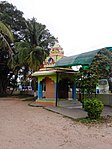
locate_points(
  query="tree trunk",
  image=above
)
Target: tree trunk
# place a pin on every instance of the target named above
(35, 87)
(3, 84)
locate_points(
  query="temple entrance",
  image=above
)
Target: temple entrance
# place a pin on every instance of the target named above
(48, 88)
(65, 87)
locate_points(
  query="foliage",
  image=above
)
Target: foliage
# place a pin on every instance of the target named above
(38, 35)
(6, 39)
(6, 58)
(32, 52)
(87, 120)
(94, 107)
(32, 42)
(14, 18)
(31, 39)
(102, 64)
(86, 80)
(40, 41)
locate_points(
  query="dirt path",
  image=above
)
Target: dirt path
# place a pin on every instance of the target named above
(25, 127)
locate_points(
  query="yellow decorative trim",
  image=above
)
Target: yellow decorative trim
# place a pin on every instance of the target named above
(40, 78)
(52, 77)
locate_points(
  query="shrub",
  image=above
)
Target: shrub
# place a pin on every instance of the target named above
(94, 107)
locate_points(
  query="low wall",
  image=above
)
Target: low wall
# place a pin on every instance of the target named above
(105, 98)
(27, 92)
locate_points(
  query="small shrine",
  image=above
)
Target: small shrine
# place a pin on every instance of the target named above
(54, 83)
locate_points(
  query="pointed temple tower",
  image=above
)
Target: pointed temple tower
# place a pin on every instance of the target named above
(56, 53)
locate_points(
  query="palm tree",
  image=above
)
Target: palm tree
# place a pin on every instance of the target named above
(38, 35)
(32, 52)
(6, 56)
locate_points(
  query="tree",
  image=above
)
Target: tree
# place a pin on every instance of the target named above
(31, 39)
(31, 34)
(32, 52)
(14, 18)
(6, 57)
(38, 35)
(102, 64)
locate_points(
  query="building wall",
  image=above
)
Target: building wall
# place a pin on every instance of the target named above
(50, 88)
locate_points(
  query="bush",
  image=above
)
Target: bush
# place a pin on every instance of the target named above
(94, 107)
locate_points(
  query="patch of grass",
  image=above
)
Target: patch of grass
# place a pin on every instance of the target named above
(101, 120)
(93, 122)
(87, 120)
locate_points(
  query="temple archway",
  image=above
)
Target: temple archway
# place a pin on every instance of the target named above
(65, 89)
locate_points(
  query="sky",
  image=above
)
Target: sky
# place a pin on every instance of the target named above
(79, 25)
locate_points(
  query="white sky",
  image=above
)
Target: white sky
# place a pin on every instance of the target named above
(80, 25)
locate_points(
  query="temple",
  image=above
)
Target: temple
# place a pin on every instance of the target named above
(54, 83)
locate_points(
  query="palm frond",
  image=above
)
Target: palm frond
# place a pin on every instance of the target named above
(6, 31)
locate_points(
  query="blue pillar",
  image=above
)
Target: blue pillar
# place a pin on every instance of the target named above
(74, 92)
(39, 90)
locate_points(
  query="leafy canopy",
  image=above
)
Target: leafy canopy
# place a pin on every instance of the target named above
(10, 15)
(6, 57)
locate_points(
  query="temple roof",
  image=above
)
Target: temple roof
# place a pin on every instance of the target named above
(81, 59)
(52, 71)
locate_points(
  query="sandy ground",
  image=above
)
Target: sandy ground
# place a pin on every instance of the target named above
(25, 127)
